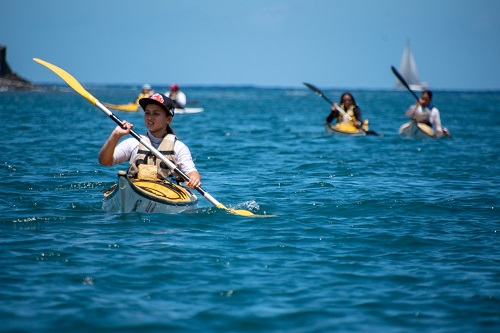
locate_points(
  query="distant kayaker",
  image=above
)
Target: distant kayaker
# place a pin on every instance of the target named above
(158, 114)
(177, 96)
(424, 112)
(349, 106)
(146, 91)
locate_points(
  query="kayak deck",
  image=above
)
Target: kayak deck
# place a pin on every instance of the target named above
(413, 129)
(346, 129)
(147, 196)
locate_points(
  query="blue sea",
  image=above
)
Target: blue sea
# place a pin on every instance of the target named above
(371, 234)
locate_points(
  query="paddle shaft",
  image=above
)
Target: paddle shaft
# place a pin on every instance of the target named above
(318, 92)
(343, 112)
(403, 81)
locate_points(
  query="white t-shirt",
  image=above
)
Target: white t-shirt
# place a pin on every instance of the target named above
(127, 150)
(424, 114)
(180, 98)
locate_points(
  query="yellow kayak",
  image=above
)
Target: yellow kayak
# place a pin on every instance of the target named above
(131, 107)
(347, 128)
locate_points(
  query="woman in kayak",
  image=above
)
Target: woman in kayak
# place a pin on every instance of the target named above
(146, 91)
(158, 114)
(177, 96)
(424, 112)
(348, 104)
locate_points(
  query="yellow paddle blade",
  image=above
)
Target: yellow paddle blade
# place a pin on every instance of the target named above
(70, 80)
(132, 107)
(241, 212)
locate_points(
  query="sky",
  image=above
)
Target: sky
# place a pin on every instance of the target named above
(268, 43)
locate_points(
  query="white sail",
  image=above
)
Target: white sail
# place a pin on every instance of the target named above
(408, 69)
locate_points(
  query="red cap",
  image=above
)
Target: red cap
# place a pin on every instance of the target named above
(174, 87)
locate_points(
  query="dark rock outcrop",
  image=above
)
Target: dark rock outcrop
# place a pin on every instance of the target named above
(10, 80)
(4, 67)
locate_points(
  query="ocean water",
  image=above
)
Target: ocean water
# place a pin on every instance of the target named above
(372, 234)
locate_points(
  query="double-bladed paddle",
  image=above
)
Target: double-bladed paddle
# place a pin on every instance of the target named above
(320, 94)
(73, 83)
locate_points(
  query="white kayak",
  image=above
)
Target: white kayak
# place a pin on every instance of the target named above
(147, 196)
(413, 129)
(188, 110)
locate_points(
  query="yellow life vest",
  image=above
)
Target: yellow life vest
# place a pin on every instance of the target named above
(145, 156)
(141, 95)
(350, 112)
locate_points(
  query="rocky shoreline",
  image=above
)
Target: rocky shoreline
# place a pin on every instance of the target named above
(11, 81)
(14, 82)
